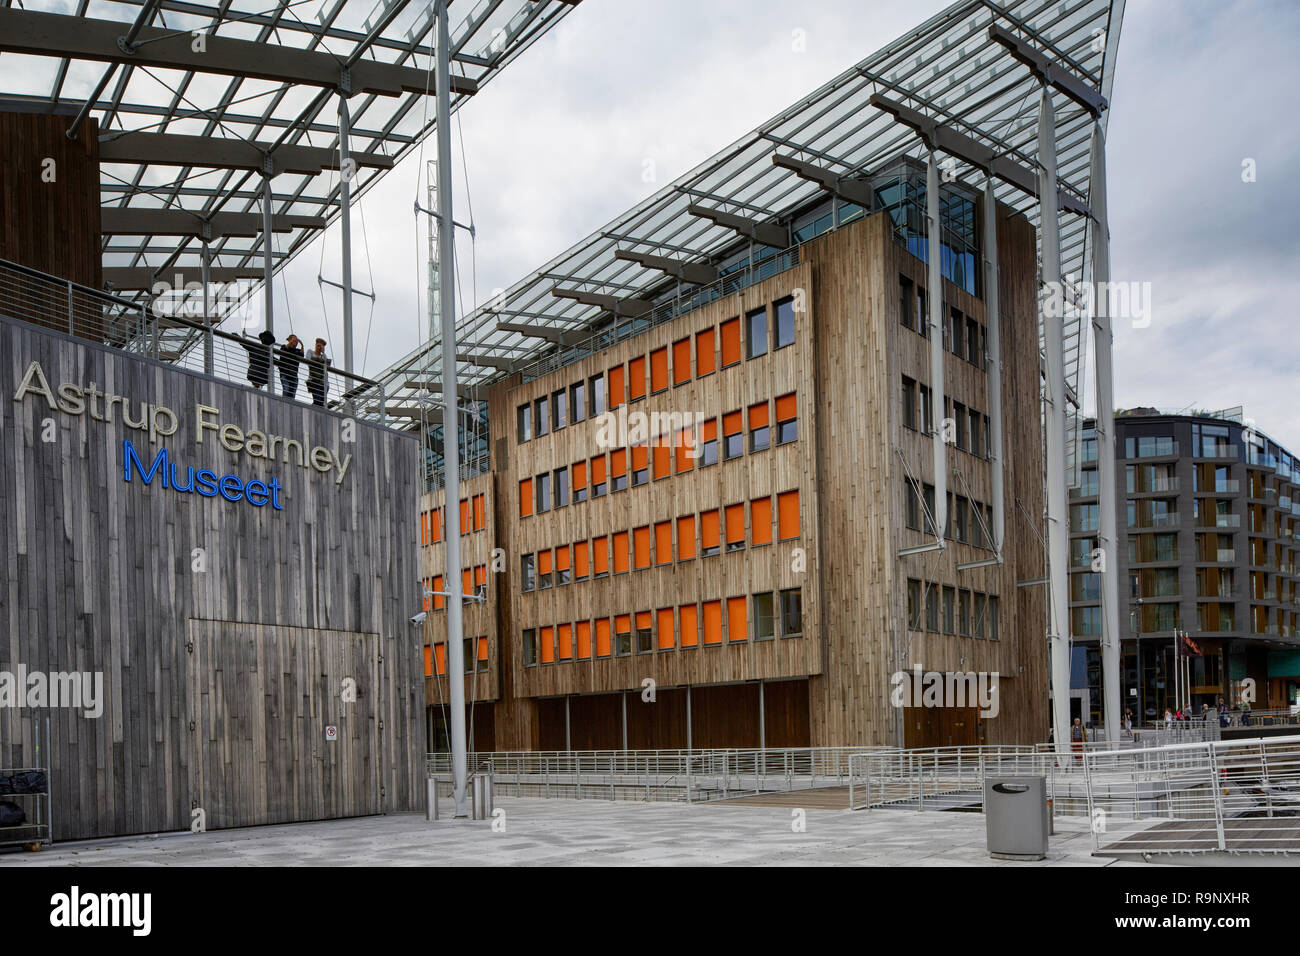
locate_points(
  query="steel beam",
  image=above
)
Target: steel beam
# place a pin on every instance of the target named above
(768, 233)
(435, 385)
(700, 273)
(854, 190)
(626, 307)
(345, 223)
(934, 298)
(140, 278)
(209, 152)
(1061, 77)
(563, 339)
(83, 38)
(118, 221)
(994, 327)
(487, 361)
(268, 267)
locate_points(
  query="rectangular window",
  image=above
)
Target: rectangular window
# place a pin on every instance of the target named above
(439, 602)
(787, 515)
(543, 493)
(729, 334)
(644, 635)
(709, 542)
(712, 622)
(689, 617)
(756, 332)
(909, 403)
(959, 425)
(563, 574)
(482, 653)
(784, 322)
(546, 638)
(465, 526)
(664, 542)
(787, 424)
(972, 341)
(991, 621)
(583, 640)
(602, 637)
(913, 506)
(480, 512)
(636, 378)
(541, 417)
(913, 604)
(525, 497)
(737, 620)
(955, 337)
(758, 427)
(927, 409)
(760, 521)
(660, 458)
(579, 473)
(640, 465)
(581, 561)
(659, 369)
(732, 447)
(705, 357)
(735, 518)
(682, 361)
(685, 453)
(922, 314)
(618, 469)
(963, 613)
(578, 401)
(641, 547)
(664, 627)
(543, 569)
(600, 556)
(949, 614)
(623, 635)
(596, 394)
(906, 304)
(561, 487)
(792, 613)
(559, 417)
(526, 570)
(530, 647)
(524, 425)
(709, 443)
(617, 387)
(435, 525)
(685, 537)
(619, 539)
(932, 607)
(980, 604)
(597, 476)
(564, 642)
(764, 617)
(975, 432)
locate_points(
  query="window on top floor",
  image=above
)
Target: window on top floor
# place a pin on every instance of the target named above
(756, 332)
(784, 331)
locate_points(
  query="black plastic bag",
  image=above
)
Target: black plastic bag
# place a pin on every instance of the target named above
(33, 781)
(11, 815)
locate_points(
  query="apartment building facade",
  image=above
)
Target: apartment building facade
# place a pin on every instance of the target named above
(1210, 515)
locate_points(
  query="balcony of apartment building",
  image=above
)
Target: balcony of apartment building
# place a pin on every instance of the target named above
(1154, 514)
(1212, 549)
(1145, 446)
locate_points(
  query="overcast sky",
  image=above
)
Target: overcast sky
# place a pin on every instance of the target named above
(557, 145)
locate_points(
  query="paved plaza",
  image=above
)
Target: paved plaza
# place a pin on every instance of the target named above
(541, 832)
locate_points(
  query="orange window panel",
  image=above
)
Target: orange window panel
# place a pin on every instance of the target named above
(466, 582)
(729, 332)
(760, 521)
(660, 458)
(735, 524)
(686, 537)
(709, 432)
(737, 626)
(544, 561)
(786, 408)
(545, 637)
(618, 463)
(600, 554)
(709, 530)
(685, 449)
(480, 512)
(424, 529)
(664, 625)
(439, 602)
(620, 551)
(623, 624)
(641, 547)
(712, 622)
(643, 620)
(562, 558)
(705, 360)
(581, 567)
(440, 657)
(578, 475)
(598, 470)
(428, 661)
(464, 516)
(690, 624)
(435, 519)
(480, 575)
(617, 387)
(583, 629)
(602, 637)
(787, 514)
(640, 457)
(659, 369)
(564, 636)
(758, 415)
(482, 648)
(525, 497)
(636, 378)
(731, 423)
(682, 361)
(664, 542)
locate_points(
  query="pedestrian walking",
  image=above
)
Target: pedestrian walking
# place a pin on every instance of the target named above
(1078, 737)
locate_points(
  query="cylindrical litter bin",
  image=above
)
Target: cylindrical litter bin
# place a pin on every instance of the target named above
(1015, 817)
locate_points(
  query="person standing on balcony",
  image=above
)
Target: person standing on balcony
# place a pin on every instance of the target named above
(317, 381)
(291, 355)
(259, 358)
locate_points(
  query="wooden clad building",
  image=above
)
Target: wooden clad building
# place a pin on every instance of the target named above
(698, 528)
(225, 577)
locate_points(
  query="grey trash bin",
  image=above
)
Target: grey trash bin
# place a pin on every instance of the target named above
(1015, 815)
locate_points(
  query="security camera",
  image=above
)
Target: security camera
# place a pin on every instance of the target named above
(419, 618)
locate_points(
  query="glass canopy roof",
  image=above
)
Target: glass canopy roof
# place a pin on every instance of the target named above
(948, 69)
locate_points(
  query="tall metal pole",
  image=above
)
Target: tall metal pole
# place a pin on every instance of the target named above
(345, 217)
(1102, 339)
(450, 418)
(934, 292)
(208, 358)
(1058, 542)
(993, 324)
(266, 247)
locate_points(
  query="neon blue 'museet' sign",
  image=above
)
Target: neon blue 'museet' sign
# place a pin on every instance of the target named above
(202, 482)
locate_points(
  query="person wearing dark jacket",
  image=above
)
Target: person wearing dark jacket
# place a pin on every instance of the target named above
(259, 358)
(317, 382)
(291, 355)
